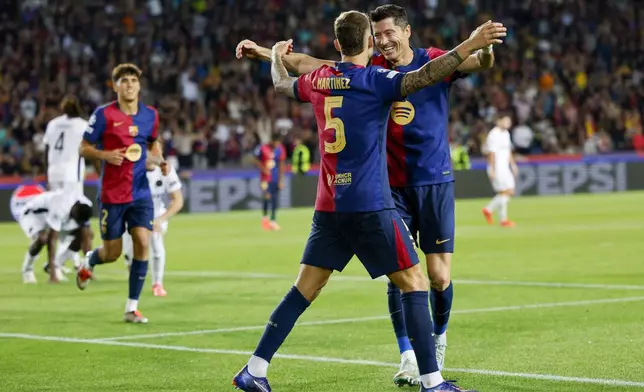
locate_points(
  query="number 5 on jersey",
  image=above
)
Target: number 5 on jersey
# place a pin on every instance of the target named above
(334, 124)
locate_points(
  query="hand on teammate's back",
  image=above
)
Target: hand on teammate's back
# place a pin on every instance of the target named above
(115, 157)
(489, 33)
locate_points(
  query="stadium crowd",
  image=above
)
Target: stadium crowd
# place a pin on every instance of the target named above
(570, 71)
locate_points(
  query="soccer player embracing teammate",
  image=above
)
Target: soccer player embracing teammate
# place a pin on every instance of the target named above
(418, 160)
(355, 213)
(119, 135)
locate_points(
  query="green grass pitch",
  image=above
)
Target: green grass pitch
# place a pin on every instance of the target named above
(555, 304)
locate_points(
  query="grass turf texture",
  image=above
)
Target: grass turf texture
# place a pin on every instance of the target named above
(225, 273)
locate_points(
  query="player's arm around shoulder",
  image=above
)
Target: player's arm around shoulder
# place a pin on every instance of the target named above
(439, 68)
(298, 63)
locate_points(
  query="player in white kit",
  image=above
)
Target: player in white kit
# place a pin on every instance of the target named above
(46, 216)
(162, 188)
(63, 136)
(501, 169)
(65, 166)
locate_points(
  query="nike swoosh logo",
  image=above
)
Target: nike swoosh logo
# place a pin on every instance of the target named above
(116, 124)
(260, 386)
(442, 242)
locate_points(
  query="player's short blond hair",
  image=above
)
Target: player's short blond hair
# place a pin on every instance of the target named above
(125, 69)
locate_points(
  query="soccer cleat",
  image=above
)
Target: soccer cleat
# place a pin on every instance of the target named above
(508, 223)
(441, 345)
(158, 290)
(408, 375)
(488, 216)
(274, 226)
(266, 224)
(83, 276)
(135, 317)
(248, 383)
(29, 277)
(446, 386)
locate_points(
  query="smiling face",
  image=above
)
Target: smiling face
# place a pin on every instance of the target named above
(391, 39)
(128, 87)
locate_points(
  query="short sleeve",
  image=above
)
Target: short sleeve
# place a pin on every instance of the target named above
(386, 83)
(173, 181)
(303, 87)
(435, 53)
(492, 143)
(96, 126)
(155, 127)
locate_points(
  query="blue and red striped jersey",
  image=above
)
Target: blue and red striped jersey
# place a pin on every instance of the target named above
(351, 105)
(417, 132)
(110, 129)
(270, 158)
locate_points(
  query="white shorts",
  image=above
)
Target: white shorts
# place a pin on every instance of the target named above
(503, 182)
(72, 187)
(128, 244)
(31, 224)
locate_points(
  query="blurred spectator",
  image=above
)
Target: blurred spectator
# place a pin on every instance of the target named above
(570, 70)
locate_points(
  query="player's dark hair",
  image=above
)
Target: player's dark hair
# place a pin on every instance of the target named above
(276, 137)
(82, 212)
(397, 13)
(350, 28)
(125, 69)
(71, 106)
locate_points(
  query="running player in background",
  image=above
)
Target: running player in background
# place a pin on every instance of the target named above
(65, 167)
(501, 169)
(43, 218)
(120, 135)
(270, 161)
(418, 160)
(355, 213)
(162, 188)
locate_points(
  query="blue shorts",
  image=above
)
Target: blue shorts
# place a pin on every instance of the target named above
(115, 217)
(428, 211)
(380, 239)
(270, 189)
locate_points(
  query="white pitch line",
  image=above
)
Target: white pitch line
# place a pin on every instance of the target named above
(376, 318)
(548, 377)
(337, 277)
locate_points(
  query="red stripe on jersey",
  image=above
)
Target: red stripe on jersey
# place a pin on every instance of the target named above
(325, 200)
(396, 154)
(404, 259)
(116, 184)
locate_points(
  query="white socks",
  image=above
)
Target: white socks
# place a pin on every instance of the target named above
(408, 355)
(131, 305)
(65, 255)
(28, 263)
(257, 367)
(432, 380)
(503, 213)
(494, 203)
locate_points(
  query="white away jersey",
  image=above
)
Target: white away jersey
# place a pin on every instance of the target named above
(53, 209)
(63, 136)
(161, 186)
(498, 142)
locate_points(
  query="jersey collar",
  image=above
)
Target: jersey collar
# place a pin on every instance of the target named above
(345, 66)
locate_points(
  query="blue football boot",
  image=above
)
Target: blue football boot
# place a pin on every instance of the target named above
(247, 383)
